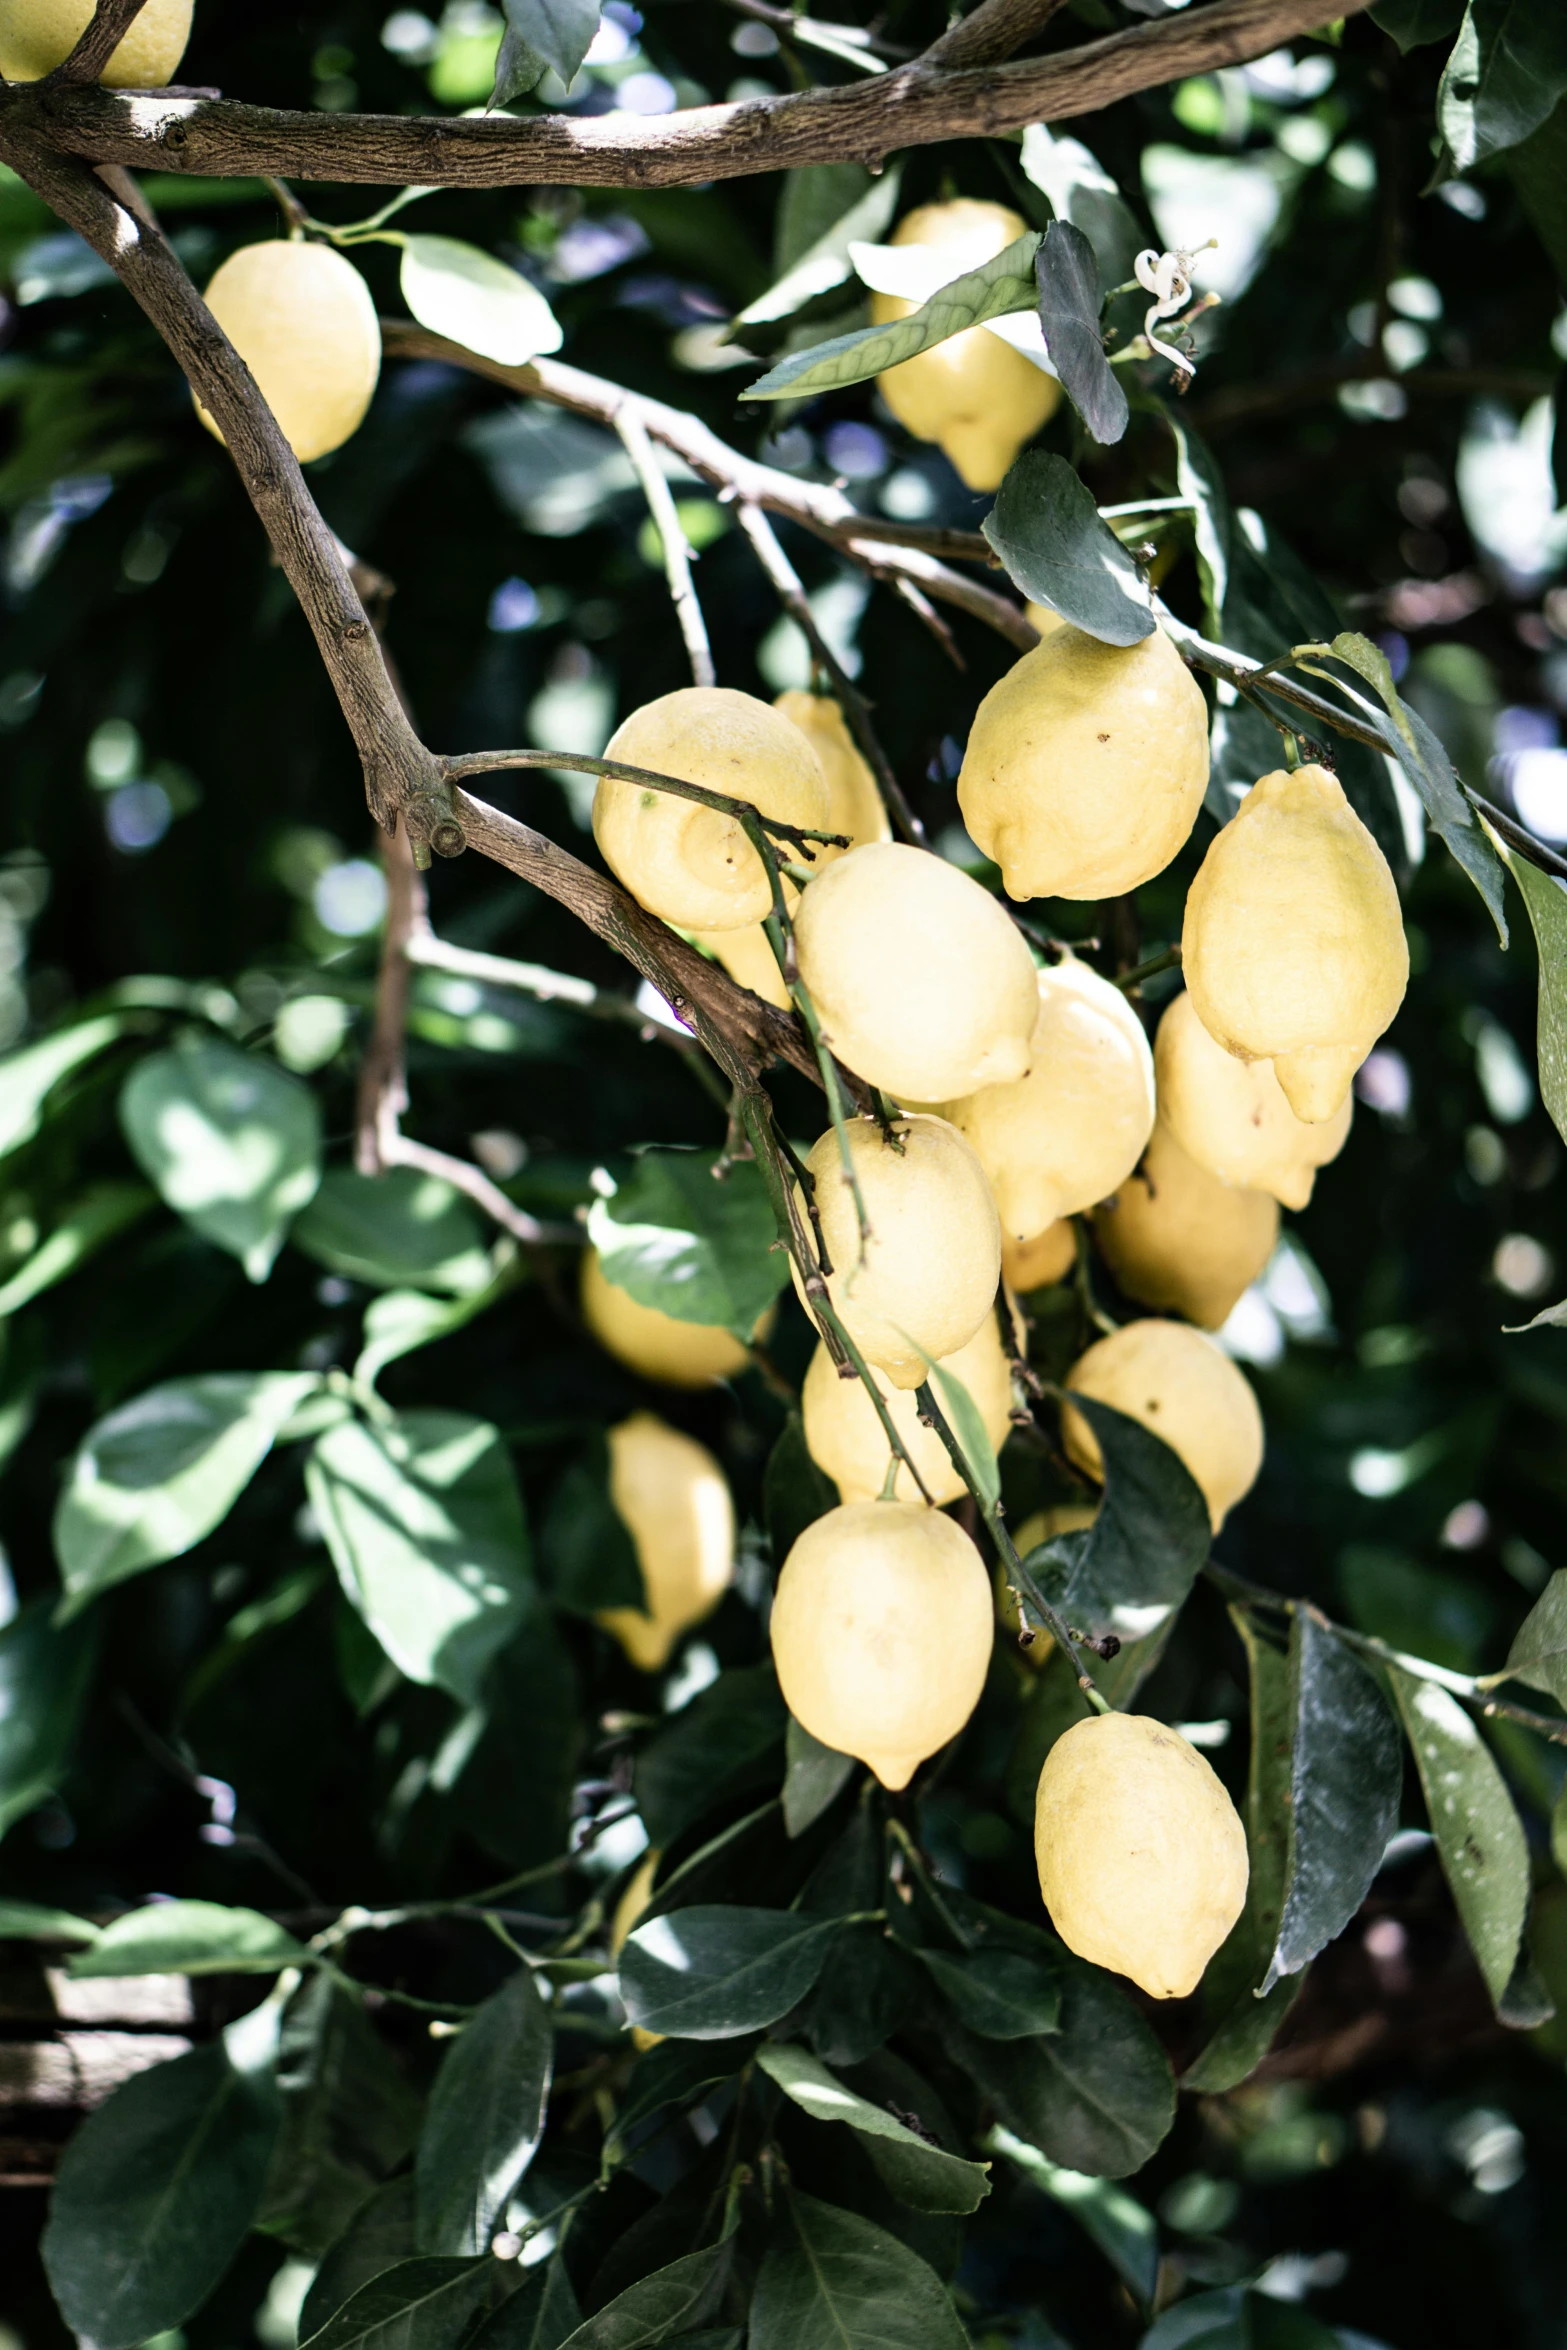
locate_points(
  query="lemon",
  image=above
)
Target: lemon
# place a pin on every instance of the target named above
(1293, 946)
(691, 865)
(1142, 1856)
(1067, 1517)
(922, 983)
(1231, 1116)
(928, 1273)
(628, 1912)
(845, 1437)
(747, 955)
(681, 1354)
(302, 319)
(854, 804)
(973, 394)
(1086, 766)
(1179, 1384)
(881, 1633)
(38, 35)
(1175, 1236)
(1066, 1134)
(1042, 618)
(670, 1493)
(1034, 1264)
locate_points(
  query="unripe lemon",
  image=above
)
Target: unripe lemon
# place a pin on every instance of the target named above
(1142, 1856)
(1231, 1116)
(922, 984)
(1086, 766)
(927, 1276)
(845, 1437)
(1034, 1264)
(1175, 1236)
(38, 35)
(1293, 946)
(302, 319)
(1066, 1134)
(854, 804)
(1067, 1517)
(628, 1912)
(1180, 1385)
(670, 1493)
(692, 865)
(681, 1354)
(973, 394)
(881, 1633)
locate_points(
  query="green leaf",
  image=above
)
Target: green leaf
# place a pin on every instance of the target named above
(540, 2315)
(1070, 299)
(423, 1518)
(1413, 22)
(814, 1777)
(29, 1077)
(795, 1492)
(1538, 170)
(379, 2236)
(88, 1225)
(993, 290)
(394, 1231)
(33, 1921)
(672, 2301)
(1346, 1777)
(1125, 2230)
(696, 1249)
(1237, 2319)
(1546, 900)
(588, 1557)
(559, 31)
(1476, 1827)
(191, 1938)
(154, 1478)
(962, 1415)
(467, 295)
(485, 2120)
(676, 2072)
(1199, 480)
(525, 1732)
(709, 1973)
(1133, 1567)
(401, 1321)
(348, 2119)
(1507, 69)
(1078, 188)
(830, 2277)
(1095, 2095)
(917, 2172)
(1538, 1654)
(155, 2195)
(825, 208)
(1001, 1994)
(723, 1744)
(45, 1669)
(418, 2305)
(231, 1141)
(1053, 544)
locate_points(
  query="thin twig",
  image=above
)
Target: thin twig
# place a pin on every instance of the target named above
(400, 1151)
(383, 1084)
(672, 539)
(465, 763)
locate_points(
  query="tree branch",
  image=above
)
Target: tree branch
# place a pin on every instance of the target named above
(383, 1084)
(672, 541)
(913, 106)
(994, 30)
(106, 29)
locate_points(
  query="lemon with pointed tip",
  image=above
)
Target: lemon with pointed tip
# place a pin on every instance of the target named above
(1086, 766)
(670, 1494)
(655, 1344)
(693, 866)
(38, 35)
(881, 1632)
(302, 319)
(976, 397)
(1293, 948)
(924, 1280)
(1066, 1134)
(921, 982)
(1181, 1386)
(1036, 1263)
(1231, 1115)
(844, 1435)
(1175, 1236)
(1141, 1854)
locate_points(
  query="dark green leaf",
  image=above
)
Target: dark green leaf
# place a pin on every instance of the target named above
(348, 2119)
(485, 2120)
(702, 1251)
(1546, 900)
(1124, 2229)
(1539, 1651)
(1237, 2319)
(1413, 22)
(1538, 170)
(814, 1777)
(518, 69)
(154, 1478)
(1048, 533)
(400, 1321)
(1095, 2095)
(668, 2303)
(587, 1553)
(1198, 479)
(423, 1518)
(1001, 1994)
(1133, 1567)
(825, 208)
(540, 2315)
(1446, 1618)
(721, 1745)
(992, 291)
(29, 1077)
(675, 2072)
(191, 1938)
(833, 2278)
(509, 1782)
(559, 31)
(918, 2172)
(33, 1921)
(88, 1225)
(399, 1230)
(1346, 1777)
(232, 1142)
(1476, 1827)
(1507, 70)
(1070, 298)
(376, 2239)
(155, 2195)
(45, 1670)
(707, 1974)
(419, 2305)
(870, 1991)
(795, 1491)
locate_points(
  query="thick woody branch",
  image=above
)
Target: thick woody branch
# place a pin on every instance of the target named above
(914, 106)
(111, 21)
(994, 30)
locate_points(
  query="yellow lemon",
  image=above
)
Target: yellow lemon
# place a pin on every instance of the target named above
(1179, 1384)
(927, 1275)
(845, 1437)
(1175, 1236)
(973, 394)
(302, 319)
(628, 1911)
(922, 983)
(1066, 1134)
(1086, 766)
(881, 1632)
(1231, 1115)
(1142, 1856)
(681, 1354)
(1034, 1264)
(854, 804)
(671, 1495)
(38, 35)
(1042, 618)
(691, 865)
(1293, 946)
(1067, 1517)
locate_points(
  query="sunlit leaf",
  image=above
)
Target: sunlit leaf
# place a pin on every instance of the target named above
(458, 291)
(996, 287)
(1477, 1829)
(191, 1938)
(707, 1974)
(485, 2120)
(231, 1141)
(1048, 533)
(918, 2173)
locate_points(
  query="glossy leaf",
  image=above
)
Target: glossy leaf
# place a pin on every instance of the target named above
(558, 31)
(394, 1231)
(467, 295)
(191, 1938)
(1237, 2319)
(1001, 1994)
(709, 1973)
(34, 1921)
(154, 1478)
(1132, 1568)
(670, 2302)
(348, 2119)
(1477, 1829)
(814, 1777)
(1546, 900)
(919, 2173)
(418, 2305)
(379, 2235)
(1507, 69)
(835, 205)
(1125, 2230)
(45, 1669)
(699, 1250)
(485, 2119)
(992, 291)
(1069, 306)
(588, 1556)
(1048, 533)
(720, 1745)
(832, 2277)
(1095, 2095)
(86, 1226)
(231, 1141)
(540, 2315)
(1539, 1651)
(1413, 22)
(1079, 189)
(401, 1321)
(28, 1077)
